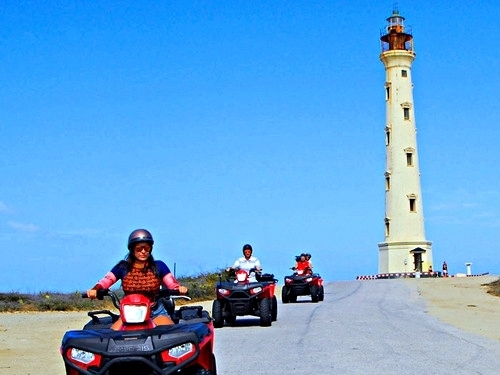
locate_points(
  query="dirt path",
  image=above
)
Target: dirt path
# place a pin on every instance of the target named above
(29, 342)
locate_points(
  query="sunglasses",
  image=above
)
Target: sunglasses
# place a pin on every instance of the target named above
(142, 248)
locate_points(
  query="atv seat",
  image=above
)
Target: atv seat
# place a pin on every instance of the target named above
(265, 277)
(101, 319)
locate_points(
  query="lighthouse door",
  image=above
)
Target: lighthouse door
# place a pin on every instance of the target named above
(417, 258)
(417, 261)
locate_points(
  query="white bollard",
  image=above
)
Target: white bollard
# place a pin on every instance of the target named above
(468, 264)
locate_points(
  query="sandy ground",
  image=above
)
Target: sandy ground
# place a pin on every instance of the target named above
(29, 342)
(462, 302)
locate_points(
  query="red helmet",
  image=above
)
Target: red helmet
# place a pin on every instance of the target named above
(140, 235)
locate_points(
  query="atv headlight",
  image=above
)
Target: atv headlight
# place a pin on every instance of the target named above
(241, 276)
(82, 356)
(223, 291)
(134, 313)
(309, 279)
(256, 290)
(178, 354)
(181, 350)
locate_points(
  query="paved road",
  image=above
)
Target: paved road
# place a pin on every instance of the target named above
(362, 327)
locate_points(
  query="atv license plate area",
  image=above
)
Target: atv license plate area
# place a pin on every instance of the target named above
(131, 344)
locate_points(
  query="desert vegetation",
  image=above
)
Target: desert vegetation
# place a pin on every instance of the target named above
(493, 288)
(201, 288)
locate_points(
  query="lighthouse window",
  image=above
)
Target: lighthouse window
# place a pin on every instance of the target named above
(406, 113)
(387, 137)
(387, 183)
(412, 205)
(387, 228)
(409, 159)
(404, 73)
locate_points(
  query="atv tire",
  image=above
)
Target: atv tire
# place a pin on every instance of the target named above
(265, 312)
(230, 319)
(204, 372)
(284, 294)
(201, 371)
(274, 309)
(217, 314)
(321, 294)
(314, 294)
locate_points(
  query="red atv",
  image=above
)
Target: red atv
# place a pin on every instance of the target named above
(302, 283)
(239, 296)
(140, 347)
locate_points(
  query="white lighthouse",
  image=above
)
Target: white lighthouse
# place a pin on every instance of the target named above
(405, 248)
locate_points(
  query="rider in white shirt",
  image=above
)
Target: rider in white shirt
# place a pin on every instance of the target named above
(247, 262)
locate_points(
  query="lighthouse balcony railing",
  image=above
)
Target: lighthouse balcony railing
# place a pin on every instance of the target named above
(408, 46)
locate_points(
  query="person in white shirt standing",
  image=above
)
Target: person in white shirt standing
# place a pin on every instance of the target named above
(247, 262)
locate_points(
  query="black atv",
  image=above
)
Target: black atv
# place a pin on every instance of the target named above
(237, 296)
(140, 347)
(302, 283)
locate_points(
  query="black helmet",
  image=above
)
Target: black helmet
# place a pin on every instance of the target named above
(247, 247)
(140, 235)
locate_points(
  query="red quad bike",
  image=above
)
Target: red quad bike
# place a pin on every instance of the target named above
(140, 347)
(302, 283)
(239, 296)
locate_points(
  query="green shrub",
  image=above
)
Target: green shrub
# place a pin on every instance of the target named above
(200, 288)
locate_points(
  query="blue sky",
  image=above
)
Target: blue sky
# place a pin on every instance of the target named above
(215, 124)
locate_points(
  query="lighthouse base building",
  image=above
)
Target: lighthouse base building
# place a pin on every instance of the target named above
(404, 257)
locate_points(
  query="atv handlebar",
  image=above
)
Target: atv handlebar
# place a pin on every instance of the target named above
(166, 293)
(181, 296)
(234, 269)
(100, 294)
(295, 268)
(169, 292)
